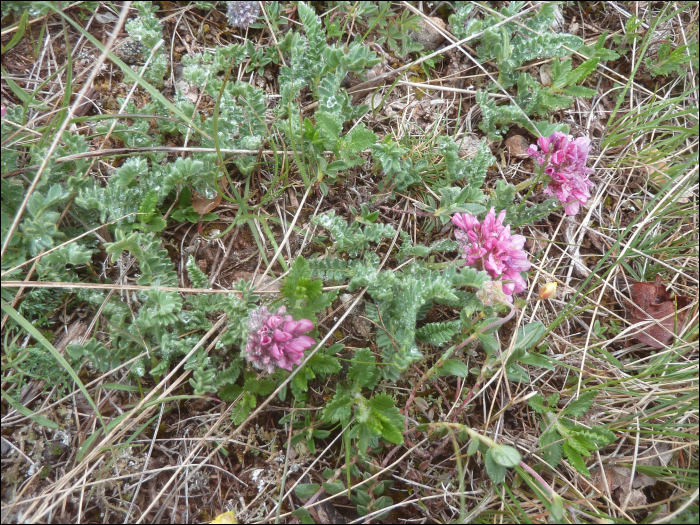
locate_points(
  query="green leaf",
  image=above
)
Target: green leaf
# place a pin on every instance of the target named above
(31, 330)
(517, 373)
(299, 275)
(382, 503)
(323, 364)
(557, 508)
(489, 342)
(438, 334)
(363, 369)
(551, 451)
(601, 436)
(334, 488)
(486, 322)
(528, 335)
(262, 387)
(580, 406)
(580, 91)
(581, 445)
(575, 459)
(454, 367)
(330, 127)
(242, 409)
(361, 138)
(473, 446)
(306, 490)
(19, 34)
(303, 514)
(582, 71)
(391, 420)
(339, 409)
(505, 455)
(28, 413)
(536, 402)
(496, 471)
(536, 360)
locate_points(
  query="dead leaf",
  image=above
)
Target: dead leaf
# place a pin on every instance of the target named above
(203, 205)
(517, 146)
(652, 301)
(546, 75)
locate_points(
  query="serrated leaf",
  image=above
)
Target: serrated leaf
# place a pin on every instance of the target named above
(363, 369)
(262, 387)
(496, 471)
(339, 409)
(230, 393)
(330, 127)
(361, 138)
(551, 451)
(306, 490)
(454, 367)
(581, 72)
(382, 407)
(601, 436)
(536, 402)
(505, 455)
(580, 91)
(581, 445)
(580, 406)
(575, 459)
(242, 409)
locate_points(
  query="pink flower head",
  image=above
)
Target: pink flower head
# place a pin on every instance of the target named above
(277, 340)
(563, 159)
(3, 110)
(490, 246)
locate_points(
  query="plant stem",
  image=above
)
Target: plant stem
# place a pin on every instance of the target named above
(451, 351)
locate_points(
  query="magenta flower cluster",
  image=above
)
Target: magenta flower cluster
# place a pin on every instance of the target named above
(490, 246)
(563, 159)
(277, 340)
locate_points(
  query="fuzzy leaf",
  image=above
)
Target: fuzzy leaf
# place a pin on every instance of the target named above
(306, 490)
(438, 334)
(334, 488)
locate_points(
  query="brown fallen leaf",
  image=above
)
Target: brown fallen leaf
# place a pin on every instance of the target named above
(652, 301)
(203, 205)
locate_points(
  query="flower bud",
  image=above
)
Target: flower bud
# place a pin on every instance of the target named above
(548, 290)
